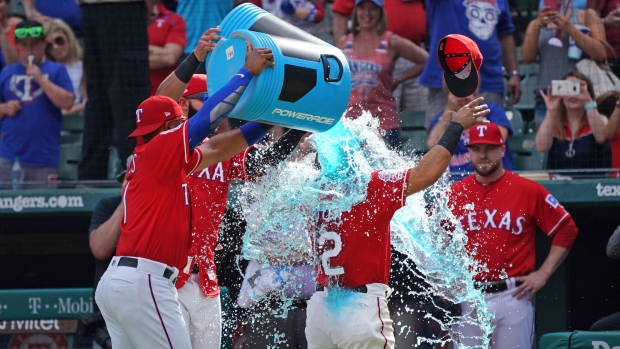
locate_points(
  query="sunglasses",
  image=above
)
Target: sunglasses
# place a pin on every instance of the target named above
(59, 41)
(203, 97)
(33, 32)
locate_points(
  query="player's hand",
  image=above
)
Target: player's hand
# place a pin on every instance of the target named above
(584, 94)
(207, 43)
(257, 59)
(12, 107)
(471, 113)
(531, 284)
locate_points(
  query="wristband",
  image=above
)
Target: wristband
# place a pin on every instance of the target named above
(252, 132)
(451, 137)
(590, 105)
(187, 68)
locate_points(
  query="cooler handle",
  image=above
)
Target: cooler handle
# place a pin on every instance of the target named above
(327, 68)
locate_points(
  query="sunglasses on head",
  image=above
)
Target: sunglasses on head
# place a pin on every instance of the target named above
(59, 41)
(32, 32)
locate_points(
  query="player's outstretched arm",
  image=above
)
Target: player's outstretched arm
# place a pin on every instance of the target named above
(222, 102)
(434, 163)
(175, 83)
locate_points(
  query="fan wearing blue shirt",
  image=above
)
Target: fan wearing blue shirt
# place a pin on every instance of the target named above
(32, 93)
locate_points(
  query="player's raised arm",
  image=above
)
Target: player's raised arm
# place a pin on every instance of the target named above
(434, 163)
(175, 83)
(222, 102)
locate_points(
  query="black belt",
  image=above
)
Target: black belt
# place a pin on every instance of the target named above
(133, 263)
(361, 289)
(494, 288)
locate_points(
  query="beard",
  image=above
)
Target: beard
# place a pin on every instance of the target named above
(191, 111)
(487, 169)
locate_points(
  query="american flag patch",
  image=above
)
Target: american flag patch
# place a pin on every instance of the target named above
(552, 201)
(391, 175)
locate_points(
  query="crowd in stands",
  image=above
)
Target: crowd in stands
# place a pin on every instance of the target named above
(112, 67)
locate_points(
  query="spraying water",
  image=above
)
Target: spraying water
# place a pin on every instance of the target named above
(287, 200)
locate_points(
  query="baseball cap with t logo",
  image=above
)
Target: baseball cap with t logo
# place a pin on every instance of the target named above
(485, 134)
(154, 112)
(460, 60)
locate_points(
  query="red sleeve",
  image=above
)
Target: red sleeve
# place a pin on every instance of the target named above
(388, 188)
(258, 3)
(178, 32)
(566, 234)
(344, 7)
(548, 212)
(237, 166)
(320, 11)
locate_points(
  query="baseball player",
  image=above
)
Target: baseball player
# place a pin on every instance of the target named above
(354, 249)
(500, 212)
(197, 284)
(137, 295)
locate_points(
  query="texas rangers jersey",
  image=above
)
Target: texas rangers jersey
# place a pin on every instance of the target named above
(501, 219)
(209, 193)
(156, 221)
(355, 249)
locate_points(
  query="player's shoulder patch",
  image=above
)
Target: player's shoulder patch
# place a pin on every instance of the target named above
(551, 200)
(391, 175)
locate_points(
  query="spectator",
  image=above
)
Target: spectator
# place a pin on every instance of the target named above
(500, 213)
(461, 162)
(489, 24)
(304, 14)
(62, 47)
(554, 60)
(167, 39)
(612, 134)
(45, 10)
(372, 51)
(8, 54)
(200, 15)
(33, 92)
(116, 66)
(155, 228)
(611, 322)
(407, 19)
(609, 10)
(573, 131)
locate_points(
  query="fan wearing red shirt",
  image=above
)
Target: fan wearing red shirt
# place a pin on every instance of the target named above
(167, 41)
(137, 295)
(354, 250)
(501, 212)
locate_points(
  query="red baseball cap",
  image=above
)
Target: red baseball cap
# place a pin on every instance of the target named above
(485, 134)
(154, 112)
(457, 54)
(197, 84)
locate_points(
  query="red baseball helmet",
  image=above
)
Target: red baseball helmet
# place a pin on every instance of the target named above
(154, 112)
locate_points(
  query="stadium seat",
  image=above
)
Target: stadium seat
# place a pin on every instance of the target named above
(413, 136)
(72, 128)
(69, 158)
(516, 120)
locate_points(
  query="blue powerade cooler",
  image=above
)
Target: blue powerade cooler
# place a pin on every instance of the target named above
(309, 87)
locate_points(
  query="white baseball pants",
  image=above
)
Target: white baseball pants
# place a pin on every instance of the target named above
(202, 315)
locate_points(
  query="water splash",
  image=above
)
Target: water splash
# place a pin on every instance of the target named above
(287, 200)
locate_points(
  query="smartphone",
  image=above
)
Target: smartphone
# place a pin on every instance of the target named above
(553, 4)
(565, 88)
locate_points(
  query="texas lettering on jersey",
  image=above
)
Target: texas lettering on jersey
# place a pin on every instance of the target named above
(494, 219)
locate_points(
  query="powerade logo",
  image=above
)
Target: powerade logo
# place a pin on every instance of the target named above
(303, 116)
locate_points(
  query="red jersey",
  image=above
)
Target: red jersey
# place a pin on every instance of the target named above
(405, 18)
(209, 194)
(156, 221)
(168, 28)
(355, 249)
(501, 219)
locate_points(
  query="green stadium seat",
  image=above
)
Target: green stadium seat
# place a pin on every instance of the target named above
(516, 120)
(412, 120)
(529, 81)
(69, 158)
(414, 142)
(73, 123)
